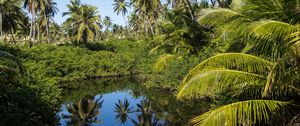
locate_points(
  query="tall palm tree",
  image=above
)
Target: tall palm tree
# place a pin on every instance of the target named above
(120, 6)
(84, 20)
(265, 79)
(148, 10)
(34, 6)
(49, 12)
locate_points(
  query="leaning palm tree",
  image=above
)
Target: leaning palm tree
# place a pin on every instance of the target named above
(84, 20)
(120, 6)
(265, 80)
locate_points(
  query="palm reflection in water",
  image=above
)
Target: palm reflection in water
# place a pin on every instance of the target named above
(84, 112)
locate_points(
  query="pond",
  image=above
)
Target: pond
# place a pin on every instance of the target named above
(124, 102)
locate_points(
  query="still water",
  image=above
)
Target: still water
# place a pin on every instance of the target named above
(123, 102)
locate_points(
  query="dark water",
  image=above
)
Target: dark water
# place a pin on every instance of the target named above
(123, 102)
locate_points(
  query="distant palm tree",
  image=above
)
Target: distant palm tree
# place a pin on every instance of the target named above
(148, 10)
(49, 12)
(107, 22)
(84, 21)
(120, 6)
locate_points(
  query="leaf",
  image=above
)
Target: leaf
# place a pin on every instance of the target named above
(4, 55)
(242, 113)
(162, 62)
(211, 82)
(236, 61)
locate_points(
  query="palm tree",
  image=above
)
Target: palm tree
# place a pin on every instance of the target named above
(49, 12)
(10, 16)
(107, 22)
(23, 27)
(123, 109)
(121, 6)
(84, 20)
(265, 79)
(34, 6)
(85, 111)
(148, 10)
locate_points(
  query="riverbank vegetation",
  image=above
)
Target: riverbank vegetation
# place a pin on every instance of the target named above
(240, 55)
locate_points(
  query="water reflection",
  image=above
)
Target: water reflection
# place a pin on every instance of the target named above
(146, 116)
(84, 112)
(128, 103)
(123, 109)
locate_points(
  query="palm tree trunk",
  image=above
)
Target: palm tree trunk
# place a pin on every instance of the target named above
(12, 36)
(38, 32)
(221, 3)
(1, 31)
(190, 9)
(47, 30)
(47, 27)
(126, 25)
(34, 31)
(151, 27)
(213, 2)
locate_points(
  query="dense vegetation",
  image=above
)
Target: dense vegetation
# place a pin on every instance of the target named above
(241, 55)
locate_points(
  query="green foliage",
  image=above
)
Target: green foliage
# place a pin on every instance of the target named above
(20, 100)
(244, 112)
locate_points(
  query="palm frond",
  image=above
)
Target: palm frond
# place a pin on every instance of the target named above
(211, 82)
(243, 113)
(162, 62)
(5, 55)
(218, 17)
(237, 61)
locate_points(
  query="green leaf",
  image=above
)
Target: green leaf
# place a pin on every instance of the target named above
(211, 82)
(242, 113)
(236, 61)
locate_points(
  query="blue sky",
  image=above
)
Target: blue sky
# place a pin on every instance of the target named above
(105, 8)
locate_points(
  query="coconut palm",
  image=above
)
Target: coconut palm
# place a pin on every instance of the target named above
(107, 22)
(120, 6)
(49, 12)
(265, 79)
(148, 10)
(34, 6)
(84, 21)
(10, 16)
